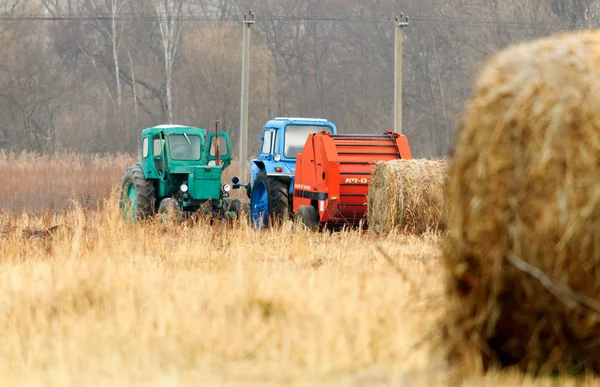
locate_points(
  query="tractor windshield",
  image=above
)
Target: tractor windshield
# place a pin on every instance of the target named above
(184, 146)
(295, 137)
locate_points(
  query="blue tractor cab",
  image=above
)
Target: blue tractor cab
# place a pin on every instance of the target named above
(272, 173)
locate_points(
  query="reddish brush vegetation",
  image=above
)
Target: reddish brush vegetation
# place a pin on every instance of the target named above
(36, 183)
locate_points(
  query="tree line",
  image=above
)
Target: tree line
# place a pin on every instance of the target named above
(88, 75)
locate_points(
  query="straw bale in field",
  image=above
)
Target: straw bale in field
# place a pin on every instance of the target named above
(523, 211)
(407, 194)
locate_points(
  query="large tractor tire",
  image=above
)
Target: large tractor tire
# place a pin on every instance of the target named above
(138, 196)
(308, 217)
(269, 205)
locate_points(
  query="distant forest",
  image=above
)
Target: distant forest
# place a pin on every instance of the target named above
(89, 75)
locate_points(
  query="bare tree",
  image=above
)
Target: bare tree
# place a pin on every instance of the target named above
(113, 8)
(170, 22)
(91, 78)
(216, 9)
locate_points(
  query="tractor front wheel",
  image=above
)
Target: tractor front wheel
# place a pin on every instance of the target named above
(137, 194)
(240, 209)
(169, 209)
(269, 203)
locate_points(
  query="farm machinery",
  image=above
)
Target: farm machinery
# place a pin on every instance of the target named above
(180, 171)
(333, 173)
(272, 173)
(308, 171)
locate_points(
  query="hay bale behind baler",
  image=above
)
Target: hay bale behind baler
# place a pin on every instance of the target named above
(522, 254)
(407, 194)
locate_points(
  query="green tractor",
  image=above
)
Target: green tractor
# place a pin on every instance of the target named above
(180, 173)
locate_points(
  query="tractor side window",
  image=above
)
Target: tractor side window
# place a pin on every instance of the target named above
(159, 163)
(145, 147)
(267, 141)
(222, 147)
(157, 147)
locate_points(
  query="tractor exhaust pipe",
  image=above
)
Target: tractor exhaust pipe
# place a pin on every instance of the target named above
(217, 150)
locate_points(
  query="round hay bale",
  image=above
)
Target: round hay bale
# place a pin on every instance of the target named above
(522, 253)
(407, 194)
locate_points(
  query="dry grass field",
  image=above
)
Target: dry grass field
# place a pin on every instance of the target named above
(98, 302)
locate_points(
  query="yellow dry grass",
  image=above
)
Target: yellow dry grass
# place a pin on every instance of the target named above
(101, 301)
(98, 302)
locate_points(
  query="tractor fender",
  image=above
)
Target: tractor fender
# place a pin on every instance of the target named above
(144, 169)
(256, 166)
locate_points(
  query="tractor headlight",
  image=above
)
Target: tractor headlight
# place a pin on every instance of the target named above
(184, 188)
(277, 157)
(226, 187)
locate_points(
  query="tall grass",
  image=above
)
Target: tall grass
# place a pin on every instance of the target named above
(104, 301)
(100, 302)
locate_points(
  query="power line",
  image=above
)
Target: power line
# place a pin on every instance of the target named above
(428, 20)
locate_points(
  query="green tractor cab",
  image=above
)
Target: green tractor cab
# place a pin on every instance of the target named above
(181, 170)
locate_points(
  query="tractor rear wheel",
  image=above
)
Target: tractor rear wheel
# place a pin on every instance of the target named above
(269, 203)
(308, 216)
(137, 194)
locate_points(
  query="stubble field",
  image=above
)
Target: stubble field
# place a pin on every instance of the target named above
(98, 302)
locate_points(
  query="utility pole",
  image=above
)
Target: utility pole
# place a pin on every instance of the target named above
(400, 23)
(247, 23)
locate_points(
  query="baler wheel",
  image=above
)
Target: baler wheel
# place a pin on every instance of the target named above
(137, 194)
(308, 216)
(269, 201)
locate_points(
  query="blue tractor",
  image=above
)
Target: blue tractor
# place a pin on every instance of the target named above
(271, 184)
